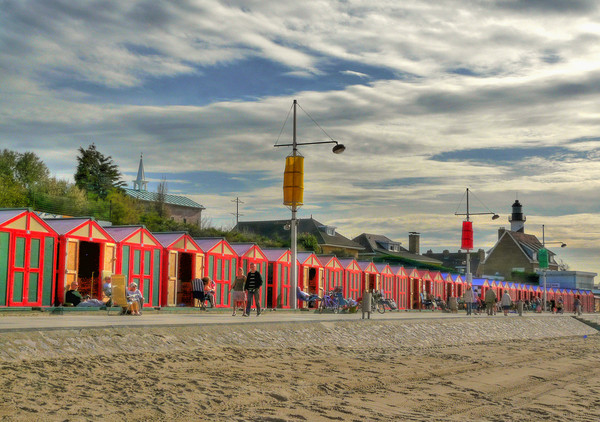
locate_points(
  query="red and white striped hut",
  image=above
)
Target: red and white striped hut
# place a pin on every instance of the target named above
(401, 283)
(278, 277)
(438, 283)
(370, 280)
(182, 261)
(530, 292)
(386, 280)
(334, 272)
(448, 289)
(139, 259)
(310, 274)
(415, 286)
(86, 254)
(250, 253)
(27, 253)
(459, 285)
(352, 278)
(428, 285)
(220, 264)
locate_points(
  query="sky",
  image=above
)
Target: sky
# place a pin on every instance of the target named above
(429, 98)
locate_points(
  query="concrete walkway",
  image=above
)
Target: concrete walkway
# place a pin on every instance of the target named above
(100, 319)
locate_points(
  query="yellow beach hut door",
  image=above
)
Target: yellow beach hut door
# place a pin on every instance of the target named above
(172, 280)
(72, 263)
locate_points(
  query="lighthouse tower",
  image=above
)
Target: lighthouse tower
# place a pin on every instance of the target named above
(517, 219)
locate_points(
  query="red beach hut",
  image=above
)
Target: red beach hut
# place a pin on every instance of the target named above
(182, 261)
(139, 259)
(221, 262)
(278, 277)
(401, 286)
(386, 280)
(27, 253)
(334, 272)
(86, 254)
(310, 273)
(352, 278)
(370, 276)
(250, 253)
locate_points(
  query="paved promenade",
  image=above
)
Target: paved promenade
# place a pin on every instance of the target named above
(46, 336)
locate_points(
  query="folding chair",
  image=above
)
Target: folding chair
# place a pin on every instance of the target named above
(119, 295)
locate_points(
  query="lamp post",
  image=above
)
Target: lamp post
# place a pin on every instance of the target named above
(295, 203)
(543, 263)
(466, 244)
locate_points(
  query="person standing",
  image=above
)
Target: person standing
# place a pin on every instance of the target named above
(238, 297)
(468, 298)
(506, 301)
(252, 286)
(577, 305)
(490, 301)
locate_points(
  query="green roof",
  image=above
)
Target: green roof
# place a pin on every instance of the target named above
(180, 200)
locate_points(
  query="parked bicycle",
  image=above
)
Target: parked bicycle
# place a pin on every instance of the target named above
(329, 301)
(380, 304)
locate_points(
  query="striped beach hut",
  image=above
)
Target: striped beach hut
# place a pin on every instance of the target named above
(386, 280)
(220, 264)
(27, 255)
(370, 276)
(352, 278)
(251, 253)
(334, 272)
(401, 283)
(310, 273)
(139, 259)
(86, 254)
(278, 277)
(182, 261)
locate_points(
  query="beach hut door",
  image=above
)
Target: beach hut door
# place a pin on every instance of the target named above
(72, 262)
(172, 292)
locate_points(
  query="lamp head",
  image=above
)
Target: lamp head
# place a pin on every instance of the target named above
(563, 245)
(338, 148)
(495, 217)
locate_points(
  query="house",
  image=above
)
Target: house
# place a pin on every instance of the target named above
(181, 208)
(330, 241)
(458, 260)
(515, 250)
(376, 245)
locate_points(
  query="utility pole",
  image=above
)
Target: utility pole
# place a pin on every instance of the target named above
(237, 209)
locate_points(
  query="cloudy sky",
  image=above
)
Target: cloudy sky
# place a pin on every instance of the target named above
(429, 98)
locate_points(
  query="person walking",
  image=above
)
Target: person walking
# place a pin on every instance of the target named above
(505, 302)
(238, 297)
(490, 301)
(468, 298)
(252, 286)
(577, 304)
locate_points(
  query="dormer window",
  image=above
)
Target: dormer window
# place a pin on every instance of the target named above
(330, 230)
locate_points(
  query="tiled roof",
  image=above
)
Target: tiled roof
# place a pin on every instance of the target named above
(274, 254)
(372, 244)
(275, 229)
(169, 198)
(241, 248)
(121, 232)
(167, 239)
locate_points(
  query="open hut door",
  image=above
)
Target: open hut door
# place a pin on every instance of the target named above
(321, 279)
(172, 279)
(110, 250)
(199, 268)
(71, 263)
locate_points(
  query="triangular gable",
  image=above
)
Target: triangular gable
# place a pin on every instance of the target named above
(7, 215)
(258, 253)
(309, 259)
(21, 219)
(384, 269)
(81, 231)
(436, 276)
(424, 275)
(412, 273)
(368, 267)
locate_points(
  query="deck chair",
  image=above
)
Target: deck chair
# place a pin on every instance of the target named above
(119, 295)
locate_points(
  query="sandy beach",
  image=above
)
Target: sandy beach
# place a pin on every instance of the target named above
(548, 379)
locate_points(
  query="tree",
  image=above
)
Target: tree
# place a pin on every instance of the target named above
(24, 168)
(96, 173)
(124, 209)
(309, 242)
(161, 197)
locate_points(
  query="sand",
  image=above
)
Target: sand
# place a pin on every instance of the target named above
(547, 379)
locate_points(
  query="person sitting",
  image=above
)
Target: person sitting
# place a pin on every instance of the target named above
(305, 297)
(198, 292)
(73, 297)
(107, 291)
(210, 288)
(134, 298)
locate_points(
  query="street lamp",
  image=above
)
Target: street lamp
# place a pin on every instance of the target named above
(293, 199)
(543, 262)
(467, 234)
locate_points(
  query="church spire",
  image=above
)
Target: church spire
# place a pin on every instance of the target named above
(140, 184)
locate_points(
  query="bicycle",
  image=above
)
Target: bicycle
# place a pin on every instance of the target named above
(379, 304)
(329, 301)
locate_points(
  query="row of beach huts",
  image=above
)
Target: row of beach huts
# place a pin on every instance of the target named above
(40, 258)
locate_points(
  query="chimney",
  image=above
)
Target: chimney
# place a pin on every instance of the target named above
(414, 243)
(501, 231)
(481, 255)
(446, 253)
